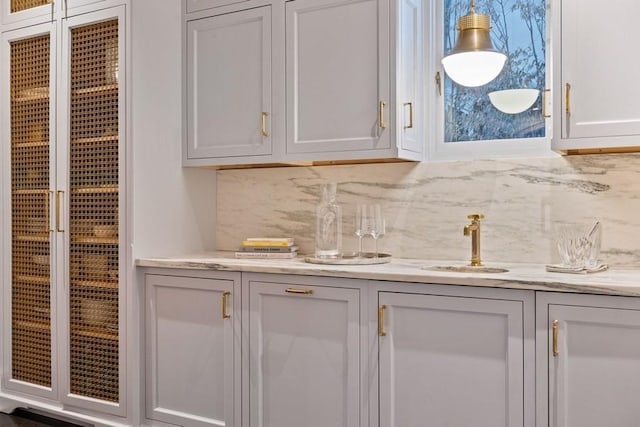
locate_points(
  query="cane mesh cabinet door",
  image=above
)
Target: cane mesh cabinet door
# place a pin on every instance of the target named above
(26, 127)
(93, 178)
(26, 12)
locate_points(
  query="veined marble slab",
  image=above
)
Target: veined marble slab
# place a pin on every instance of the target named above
(519, 276)
(426, 205)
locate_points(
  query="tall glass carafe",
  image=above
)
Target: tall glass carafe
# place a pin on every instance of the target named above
(328, 224)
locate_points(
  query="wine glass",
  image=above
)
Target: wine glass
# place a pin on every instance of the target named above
(363, 225)
(378, 225)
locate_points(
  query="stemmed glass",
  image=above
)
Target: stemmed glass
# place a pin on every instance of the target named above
(377, 229)
(363, 225)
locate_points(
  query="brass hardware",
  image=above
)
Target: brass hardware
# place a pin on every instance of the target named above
(59, 193)
(567, 98)
(410, 104)
(49, 203)
(381, 123)
(544, 103)
(473, 229)
(263, 125)
(225, 315)
(299, 291)
(381, 310)
(555, 338)
(439, 83)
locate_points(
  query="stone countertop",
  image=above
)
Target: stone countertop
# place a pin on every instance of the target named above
(519, 276)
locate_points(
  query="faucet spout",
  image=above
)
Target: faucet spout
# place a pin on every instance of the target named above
(473, 229)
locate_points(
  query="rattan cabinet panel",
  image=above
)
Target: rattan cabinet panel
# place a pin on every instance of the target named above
(29, 180)
(63, 151)
(93, 211)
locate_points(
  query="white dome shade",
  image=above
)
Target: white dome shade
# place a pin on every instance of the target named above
(473, 69)
(513, 101)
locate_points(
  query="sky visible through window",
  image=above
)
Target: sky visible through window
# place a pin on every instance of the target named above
(518, 30)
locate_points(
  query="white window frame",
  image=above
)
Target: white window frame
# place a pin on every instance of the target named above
(437, 149)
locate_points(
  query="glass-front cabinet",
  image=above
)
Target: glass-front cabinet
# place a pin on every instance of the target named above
(63, 157)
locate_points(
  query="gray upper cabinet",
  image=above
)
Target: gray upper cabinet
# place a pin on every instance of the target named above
(303, 81)
(338, 80)
(229, 86)
(596, 86)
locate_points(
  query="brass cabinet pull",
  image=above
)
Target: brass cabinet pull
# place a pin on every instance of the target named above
(49, 203)
(263, 124)
(381, 310)
(410, 125)
(439, 83)
(567, 98)
(299, 291)
(555, 338)
(59, 194)
(381, 122)
(225, 315)
(544, 103)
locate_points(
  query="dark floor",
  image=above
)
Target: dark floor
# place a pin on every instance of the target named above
(32, 418)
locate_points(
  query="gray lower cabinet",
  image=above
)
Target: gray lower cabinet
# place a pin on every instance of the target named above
(269, 350)
(590, 347)
(192, 349)
(451, 356)
(305, 361)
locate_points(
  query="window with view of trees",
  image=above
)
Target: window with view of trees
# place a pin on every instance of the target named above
(518, 30)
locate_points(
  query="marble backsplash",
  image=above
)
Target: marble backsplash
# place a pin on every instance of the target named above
(426, 205)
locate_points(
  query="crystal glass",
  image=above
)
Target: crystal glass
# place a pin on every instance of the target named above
(578, 244)
(363, 225)
(378, 225)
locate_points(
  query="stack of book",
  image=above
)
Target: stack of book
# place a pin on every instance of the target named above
(267, 247)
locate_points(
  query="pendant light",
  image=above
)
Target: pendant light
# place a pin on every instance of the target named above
(473, 61)
(513, 101)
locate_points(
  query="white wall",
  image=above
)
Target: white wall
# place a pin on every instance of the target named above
(173, 208)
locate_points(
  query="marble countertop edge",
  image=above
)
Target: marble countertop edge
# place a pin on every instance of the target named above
(520, 276)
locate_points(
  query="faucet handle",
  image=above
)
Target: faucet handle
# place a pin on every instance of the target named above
(475, 217)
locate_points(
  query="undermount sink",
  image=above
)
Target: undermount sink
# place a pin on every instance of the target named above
(466, 269)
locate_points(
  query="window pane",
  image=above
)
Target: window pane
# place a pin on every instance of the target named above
(518, 30)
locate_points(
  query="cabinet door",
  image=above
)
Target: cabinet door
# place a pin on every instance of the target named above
(192, 350)
(450, 361)
(26, 10)
(600, 86)
(337, 70)
(90, 180)
(229, 85)
(304, 357)
(28, 76)
(594, 372)
(410, 106)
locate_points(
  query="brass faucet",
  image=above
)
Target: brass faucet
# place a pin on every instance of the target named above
(474, 230)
